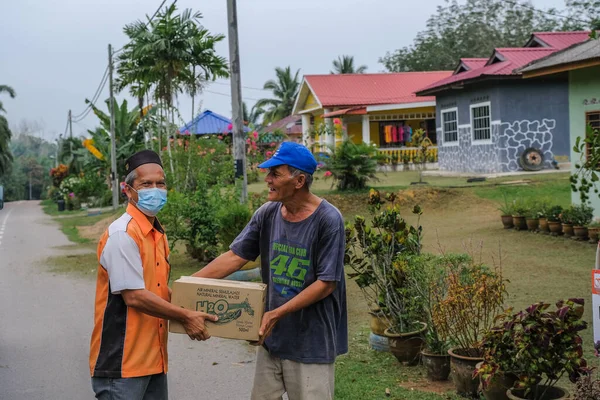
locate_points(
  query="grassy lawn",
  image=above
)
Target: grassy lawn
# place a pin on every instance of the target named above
(458, 217)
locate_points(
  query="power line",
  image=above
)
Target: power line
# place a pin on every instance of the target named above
(516, 3)
(228, 95)
(245, 87)
(95, 97)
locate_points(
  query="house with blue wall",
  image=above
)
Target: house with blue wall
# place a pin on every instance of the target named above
(208, 123)
(488, 118)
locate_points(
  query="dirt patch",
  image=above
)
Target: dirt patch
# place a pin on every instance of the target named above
(93, 232)
(425, 385)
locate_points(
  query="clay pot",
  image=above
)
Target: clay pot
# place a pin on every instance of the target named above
(438, 365)
(555, 227)
(568, 230)
(379, 322)
(497, 387)
(532, 224)
(406, 347)
(593, 234)
(520, 223)
(507, 221)
(554, 393)
(581, 232)
(544, 226)
(462, 372)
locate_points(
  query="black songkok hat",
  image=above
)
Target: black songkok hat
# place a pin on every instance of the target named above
(141, 158)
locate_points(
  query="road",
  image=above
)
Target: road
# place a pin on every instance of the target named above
(46, 320)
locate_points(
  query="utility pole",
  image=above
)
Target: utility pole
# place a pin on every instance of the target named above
(239, 142)
(30, 196)
(70, 125)
(113, 146)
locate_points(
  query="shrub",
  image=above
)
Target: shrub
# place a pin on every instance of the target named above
(582, 215)
(353, 165)
(507, 208)
(520, 208)
(553, 213)
(232, 220)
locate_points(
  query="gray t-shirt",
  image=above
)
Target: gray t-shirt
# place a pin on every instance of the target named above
(293, 256)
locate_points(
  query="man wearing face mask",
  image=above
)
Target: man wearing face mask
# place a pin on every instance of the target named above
(128, 352)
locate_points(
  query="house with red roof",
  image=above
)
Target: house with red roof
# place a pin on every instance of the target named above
(489, 119)
(381, 109)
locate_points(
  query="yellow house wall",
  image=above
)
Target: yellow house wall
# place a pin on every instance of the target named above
(310, 103)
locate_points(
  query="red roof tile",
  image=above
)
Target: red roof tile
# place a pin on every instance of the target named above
(473, 63)
(282, 125)
(371, 89)
(562, 40)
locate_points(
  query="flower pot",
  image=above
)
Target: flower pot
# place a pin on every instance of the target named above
(544, 228)
(581, 232)
(532, 224)
(555, 228)
(379, 323)
(593, 234)
(567, 230)
(520, 223)
(507, 221)
(553, 393)
(462, 372)
(498, 385)
(406, 347)
(438, 365)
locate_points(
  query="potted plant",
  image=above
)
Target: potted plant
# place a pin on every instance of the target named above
(475, 295)
(582, 217)
(520, 210)
(593, 230)
(546, 345)
(506, 213)
(532, 217)
(379, 257)
(566, 218)
(429, 275)
(553, 216)
(543, 209)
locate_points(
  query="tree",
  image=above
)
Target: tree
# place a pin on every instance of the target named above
(251, 117)
(580, 11)
(285, 89)
(345, 65)
(5, 133)
(472, 29)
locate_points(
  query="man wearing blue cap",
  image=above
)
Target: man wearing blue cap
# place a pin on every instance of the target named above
(300, 238)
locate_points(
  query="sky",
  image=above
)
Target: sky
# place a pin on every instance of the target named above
(54, 53)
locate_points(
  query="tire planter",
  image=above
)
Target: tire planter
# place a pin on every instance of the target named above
(593, 234)
(379, 343)
(406, 347)
(581, 232)
(379, 323)
(507, 221)
(544, 228)
(555, 228)
(462, 373)
(498, 386)
(520, 223)
(532, 224)
(554, 393)
(245, 275)
(437, 365)
(567, 230)
(532, 159)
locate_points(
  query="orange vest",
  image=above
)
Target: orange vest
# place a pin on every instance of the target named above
(126, 342)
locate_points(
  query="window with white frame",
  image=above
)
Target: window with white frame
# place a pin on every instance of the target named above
(450, 126)
(481, 122)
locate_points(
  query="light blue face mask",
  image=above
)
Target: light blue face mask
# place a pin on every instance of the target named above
(151, 201)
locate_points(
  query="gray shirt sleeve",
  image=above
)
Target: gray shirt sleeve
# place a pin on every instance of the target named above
(122, 260)
(247, 244)
(330, 259)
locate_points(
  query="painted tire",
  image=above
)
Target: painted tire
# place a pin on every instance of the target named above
(379, 343)
(247, 275)
(532, 159)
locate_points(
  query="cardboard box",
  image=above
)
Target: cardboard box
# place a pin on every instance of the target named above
(239, 305)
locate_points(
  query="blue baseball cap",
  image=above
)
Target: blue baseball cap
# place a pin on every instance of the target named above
(292, 154)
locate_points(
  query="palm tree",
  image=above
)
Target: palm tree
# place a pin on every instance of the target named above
(345, 65)
(285, 89)
(251, 117)
(5, 133)
(11, 93)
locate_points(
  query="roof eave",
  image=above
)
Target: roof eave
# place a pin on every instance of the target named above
(563, 67)
(462, 84)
